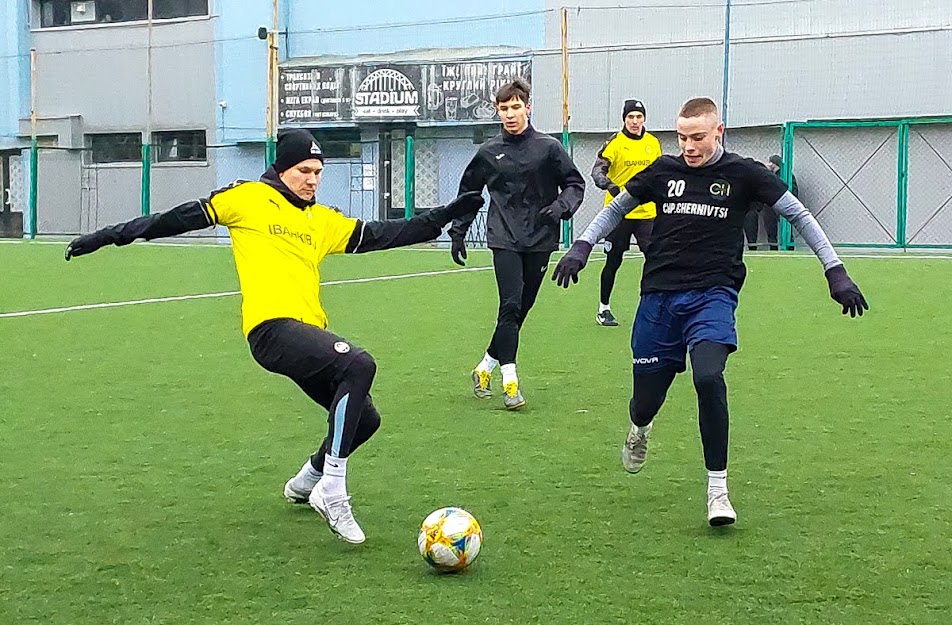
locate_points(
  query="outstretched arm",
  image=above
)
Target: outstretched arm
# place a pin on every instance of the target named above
(842, 289)
(372, 236)
(195, 215)
(605, 221)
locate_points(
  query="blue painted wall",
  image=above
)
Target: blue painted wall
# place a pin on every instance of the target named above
(14, 68)
(242, 74)
(326, 27)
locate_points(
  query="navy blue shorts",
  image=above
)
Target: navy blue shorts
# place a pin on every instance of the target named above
(669, 323)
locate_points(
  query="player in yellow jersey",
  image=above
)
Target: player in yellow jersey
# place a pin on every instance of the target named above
(279, 238)
(625, 154)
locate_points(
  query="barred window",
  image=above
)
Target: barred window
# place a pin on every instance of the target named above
(179, 145)
(116, 147)
(78, 12)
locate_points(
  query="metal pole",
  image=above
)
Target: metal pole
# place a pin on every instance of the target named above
(786, 174)
(34, 149)
(727, 64)
(271, 124)
(902, 199)
(567, 226)
(147, 144)
(409, 182)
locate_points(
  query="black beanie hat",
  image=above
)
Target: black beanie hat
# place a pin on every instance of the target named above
(776, 160)
(295, 146)
(633, 105)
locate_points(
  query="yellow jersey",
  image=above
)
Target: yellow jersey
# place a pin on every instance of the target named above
(278, 249)
(627, 157)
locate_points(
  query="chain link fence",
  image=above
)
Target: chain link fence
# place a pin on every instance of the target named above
(884, 184)
(929, 179)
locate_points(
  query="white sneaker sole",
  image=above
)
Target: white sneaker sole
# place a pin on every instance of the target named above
(721, 521)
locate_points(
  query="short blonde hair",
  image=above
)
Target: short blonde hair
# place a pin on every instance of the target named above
(696, 107)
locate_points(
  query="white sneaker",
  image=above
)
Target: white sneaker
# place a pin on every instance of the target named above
(295, 494)
(338, 514)
(719, 510)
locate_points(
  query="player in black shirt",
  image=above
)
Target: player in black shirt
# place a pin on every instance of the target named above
(693, 272)
(533, 185)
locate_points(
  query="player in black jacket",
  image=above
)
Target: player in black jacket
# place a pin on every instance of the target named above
(533, 185)
(693, 272)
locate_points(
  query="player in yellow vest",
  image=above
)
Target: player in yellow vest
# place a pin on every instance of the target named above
(625, 154)
(279, 238)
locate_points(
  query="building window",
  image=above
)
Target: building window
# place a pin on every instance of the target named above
(118, 147)
(169, 9)
(339, 142)
(78, 12)
(179, 145)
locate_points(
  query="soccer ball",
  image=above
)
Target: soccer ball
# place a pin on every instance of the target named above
(450, 539)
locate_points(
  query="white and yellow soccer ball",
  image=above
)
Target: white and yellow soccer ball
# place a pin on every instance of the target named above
(450, 539)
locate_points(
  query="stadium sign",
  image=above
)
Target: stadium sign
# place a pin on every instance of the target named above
(444, 92)
(386, 93)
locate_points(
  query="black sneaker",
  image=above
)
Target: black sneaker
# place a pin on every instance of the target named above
(606, 319)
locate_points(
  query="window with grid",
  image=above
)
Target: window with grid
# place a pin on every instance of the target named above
(116, 147)
(179, 145)
(78, 12)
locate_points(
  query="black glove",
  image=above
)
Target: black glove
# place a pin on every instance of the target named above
(613, 190)
(845, 292)
(551, 213)
(88, 243)
(463, 206)
(572, 263)
(458, 250)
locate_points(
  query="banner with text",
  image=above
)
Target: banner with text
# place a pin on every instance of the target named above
(452, 92)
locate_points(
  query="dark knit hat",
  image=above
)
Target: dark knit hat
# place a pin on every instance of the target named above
(633, 105)
(776, 160)
(295, 146)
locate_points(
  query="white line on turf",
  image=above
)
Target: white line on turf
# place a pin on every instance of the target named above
(916, 254)
(180, 298)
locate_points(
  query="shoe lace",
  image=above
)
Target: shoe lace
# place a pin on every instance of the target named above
(484, 378)
(511, 389)
(634, 440)
(340, 510)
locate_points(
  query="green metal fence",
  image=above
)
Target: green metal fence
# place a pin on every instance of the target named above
(874, 183)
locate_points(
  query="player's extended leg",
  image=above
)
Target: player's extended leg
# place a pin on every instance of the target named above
(502, 349)
(312, 356)
(712, 336)
(658, 354)
(329, 496)
(707, 363)
(617, 243)
(298, 488)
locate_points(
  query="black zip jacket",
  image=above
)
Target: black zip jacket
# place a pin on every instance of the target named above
(532, 184)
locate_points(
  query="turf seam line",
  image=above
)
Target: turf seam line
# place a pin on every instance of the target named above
(180, 298)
